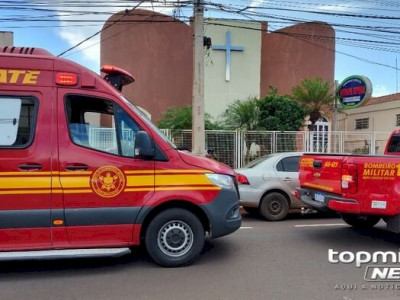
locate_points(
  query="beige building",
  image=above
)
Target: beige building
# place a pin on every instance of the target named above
(6, 38)
(379, 116)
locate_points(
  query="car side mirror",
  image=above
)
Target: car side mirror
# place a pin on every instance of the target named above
(144, 146)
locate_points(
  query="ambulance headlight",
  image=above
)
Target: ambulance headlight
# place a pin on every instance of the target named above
(220, 180)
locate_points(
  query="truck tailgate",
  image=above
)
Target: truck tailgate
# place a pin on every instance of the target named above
(321, 172)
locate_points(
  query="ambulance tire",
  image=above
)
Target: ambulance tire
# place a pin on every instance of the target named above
(174, 237)
(360, 221)
(274, 206)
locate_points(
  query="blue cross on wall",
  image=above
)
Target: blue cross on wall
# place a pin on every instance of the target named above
(228, 48)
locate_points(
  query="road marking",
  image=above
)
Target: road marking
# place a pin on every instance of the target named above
(246, 227)
(320, 225)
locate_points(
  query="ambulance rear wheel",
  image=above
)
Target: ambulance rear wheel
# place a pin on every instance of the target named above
(175, 237)
(360, 221)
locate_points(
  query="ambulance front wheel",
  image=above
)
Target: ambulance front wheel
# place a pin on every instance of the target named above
(175, 237)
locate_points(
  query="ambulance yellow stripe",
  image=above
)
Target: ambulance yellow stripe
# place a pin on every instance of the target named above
(188, 188)
(75, 182)
(138, 172)
(55, 182)
(19, 192)
(144, 189)
(145, 180)
(79, 182)
(80, 191)
(187, 179)
(182, 171)
(30, 174)
(29, 182)
(75, 173)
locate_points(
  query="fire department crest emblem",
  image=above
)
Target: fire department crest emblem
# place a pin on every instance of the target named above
(108, 181)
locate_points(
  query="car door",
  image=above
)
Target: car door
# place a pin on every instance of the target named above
(288, 172)
(25, 170)
(103, 185)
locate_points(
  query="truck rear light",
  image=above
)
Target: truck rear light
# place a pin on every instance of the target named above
(241, 179)
(349, 178)
(68, 79)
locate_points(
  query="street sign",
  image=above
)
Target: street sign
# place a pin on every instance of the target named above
(354, 91)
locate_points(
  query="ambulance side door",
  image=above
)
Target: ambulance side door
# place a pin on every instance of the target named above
(104, 186)
(26, 145)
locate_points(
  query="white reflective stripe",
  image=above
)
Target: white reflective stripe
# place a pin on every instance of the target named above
(320, 225)
(246, 227)
(49, 254)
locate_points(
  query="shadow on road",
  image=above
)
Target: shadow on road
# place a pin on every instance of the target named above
(294, 216)
(215, 250)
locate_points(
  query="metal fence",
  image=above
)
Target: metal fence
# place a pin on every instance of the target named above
(236, 148)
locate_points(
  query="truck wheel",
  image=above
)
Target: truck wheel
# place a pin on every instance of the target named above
(251, 210)
(175, 237)
(358, 221)
(274, 207)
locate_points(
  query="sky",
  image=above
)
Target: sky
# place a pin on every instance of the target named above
(367, 31)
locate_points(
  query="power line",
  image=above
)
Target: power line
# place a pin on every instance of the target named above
(384, 39)
(98, 32)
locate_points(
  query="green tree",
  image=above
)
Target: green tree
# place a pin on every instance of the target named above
(281, 113)
(178, 118)
(243, 115)
(315, 94)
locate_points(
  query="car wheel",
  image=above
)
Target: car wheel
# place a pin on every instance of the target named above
(274, 207)
(251, 210)
(175, 237)
(358, 221)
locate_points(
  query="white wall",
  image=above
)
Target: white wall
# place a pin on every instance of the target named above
(245, 65)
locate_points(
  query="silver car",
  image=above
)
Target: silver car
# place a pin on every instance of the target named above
(267, 185)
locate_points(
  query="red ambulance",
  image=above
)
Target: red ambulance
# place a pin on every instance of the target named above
(82, 169)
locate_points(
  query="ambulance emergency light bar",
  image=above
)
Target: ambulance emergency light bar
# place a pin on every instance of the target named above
(117, 77)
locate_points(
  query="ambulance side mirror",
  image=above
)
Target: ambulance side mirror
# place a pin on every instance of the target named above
(144, 146)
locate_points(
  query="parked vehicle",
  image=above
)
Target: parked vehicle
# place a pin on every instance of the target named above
(82, 168)
(267, 185)
(361, 188)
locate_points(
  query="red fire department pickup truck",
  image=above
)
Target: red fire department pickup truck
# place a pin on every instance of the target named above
(82, 170)
(361, 188)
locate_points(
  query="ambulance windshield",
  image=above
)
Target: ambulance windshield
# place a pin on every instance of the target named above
(149, 123)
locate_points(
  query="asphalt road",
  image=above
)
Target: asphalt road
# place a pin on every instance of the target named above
(262, 260)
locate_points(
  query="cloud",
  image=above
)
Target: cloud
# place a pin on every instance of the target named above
(336, 8)
(379, 90)
(93, 18)
(256, 3)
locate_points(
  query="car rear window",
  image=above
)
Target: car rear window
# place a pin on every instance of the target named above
(288, 164)
(255, 162)
(394, 144)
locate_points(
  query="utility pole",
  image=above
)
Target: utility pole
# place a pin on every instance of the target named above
(198, 131)
(335, 116)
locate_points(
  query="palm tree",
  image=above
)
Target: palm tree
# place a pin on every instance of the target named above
(315, 94)
(178, 118)
(243, 115)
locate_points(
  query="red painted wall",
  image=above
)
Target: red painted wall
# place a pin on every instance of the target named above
(291, 54)
(157, 51)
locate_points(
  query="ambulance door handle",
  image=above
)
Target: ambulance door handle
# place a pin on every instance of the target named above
(31, 167)
(76, 167)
